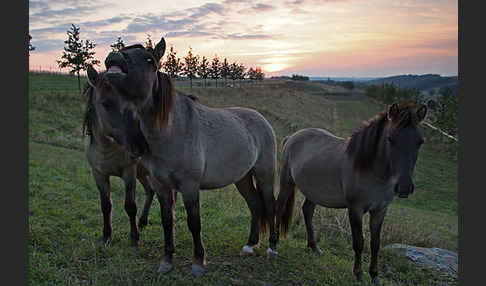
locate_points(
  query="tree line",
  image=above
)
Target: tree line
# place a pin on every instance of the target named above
(443, 103)
(78, 54)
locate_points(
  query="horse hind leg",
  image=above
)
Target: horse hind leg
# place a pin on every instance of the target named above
(285, 202)
(308, 212)
(255, 204)
(265, 178)
(149, 196)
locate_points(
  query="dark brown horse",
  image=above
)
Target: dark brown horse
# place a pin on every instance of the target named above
(362, 174)
(109, 158)
(188, 147)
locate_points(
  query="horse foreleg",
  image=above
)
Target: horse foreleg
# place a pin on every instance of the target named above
(308, 211)
(130, 205)
(166, 197)
(191, 203)
(149, 196)
(356, 222)
(376, 221)
(103, 185)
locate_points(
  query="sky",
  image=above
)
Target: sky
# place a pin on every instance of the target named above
(317, 38)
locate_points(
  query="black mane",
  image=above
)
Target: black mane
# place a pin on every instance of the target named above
(365, 142)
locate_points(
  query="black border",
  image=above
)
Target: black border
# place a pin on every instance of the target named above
(14, 142)
(471, 144)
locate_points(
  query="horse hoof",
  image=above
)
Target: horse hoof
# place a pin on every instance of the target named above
(375, 281)
(142, 223)
(272, 254)
(106, 241)
(315, 250)
(247, 251)
(197, 270)
(165, 267)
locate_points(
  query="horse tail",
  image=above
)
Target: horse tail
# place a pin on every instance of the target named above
(284, 140)
(264, 220)
(286, 197)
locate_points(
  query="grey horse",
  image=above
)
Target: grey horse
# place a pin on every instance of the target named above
(109, 158)
(188, 147)
(362, 174)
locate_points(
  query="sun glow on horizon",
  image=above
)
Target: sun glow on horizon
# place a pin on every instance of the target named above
(274, 67)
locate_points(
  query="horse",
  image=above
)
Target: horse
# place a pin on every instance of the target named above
(362, 174)
(188, 147)
(109, 158)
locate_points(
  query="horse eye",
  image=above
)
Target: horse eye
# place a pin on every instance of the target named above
(391, 140)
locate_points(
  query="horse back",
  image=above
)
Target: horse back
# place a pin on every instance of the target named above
(315, 158)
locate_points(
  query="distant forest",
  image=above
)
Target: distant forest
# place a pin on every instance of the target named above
(426, 82)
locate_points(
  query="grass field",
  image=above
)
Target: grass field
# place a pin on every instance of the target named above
(65, 220)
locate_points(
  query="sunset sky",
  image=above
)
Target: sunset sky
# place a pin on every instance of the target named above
(336, 38)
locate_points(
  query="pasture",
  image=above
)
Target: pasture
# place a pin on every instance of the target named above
(65, 220)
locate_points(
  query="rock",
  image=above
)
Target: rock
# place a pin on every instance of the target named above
(442, 260)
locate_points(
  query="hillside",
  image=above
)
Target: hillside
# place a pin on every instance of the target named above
(421, 82)
(65, 220)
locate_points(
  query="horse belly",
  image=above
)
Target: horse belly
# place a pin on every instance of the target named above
(226, 167)
(320, 183)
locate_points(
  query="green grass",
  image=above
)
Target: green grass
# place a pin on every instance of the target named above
(65, 220)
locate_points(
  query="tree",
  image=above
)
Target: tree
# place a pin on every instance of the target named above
(190, 65)
(241, 72)
(215, 69)
(118, 45)
(225, 70)
(447, 104)
(236, 71)
(203, 69)
(148, 43)
(172, 65)
(259, 73)
(77, 54)
(31, 48)
(252, 75)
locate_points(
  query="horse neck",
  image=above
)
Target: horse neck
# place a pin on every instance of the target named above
(99, 139)
(147, 116)
(381, 165)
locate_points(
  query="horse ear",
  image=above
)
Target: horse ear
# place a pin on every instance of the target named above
(393, 111)
(92, 75)
(159, 50)
(421, 112)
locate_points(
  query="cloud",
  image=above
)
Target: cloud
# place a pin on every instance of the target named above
(47, 45)
(247, 36)
(258, 8)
